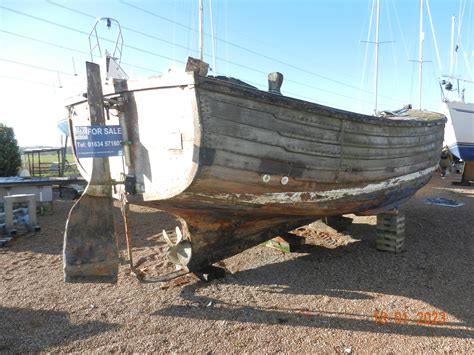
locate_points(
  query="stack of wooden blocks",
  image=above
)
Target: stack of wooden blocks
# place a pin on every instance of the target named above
(390, 231)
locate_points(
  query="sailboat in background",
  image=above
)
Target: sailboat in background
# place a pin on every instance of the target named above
(459, 131)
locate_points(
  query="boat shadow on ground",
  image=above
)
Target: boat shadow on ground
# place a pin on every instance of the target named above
(28, 330)
(435, 269)
(145, 227)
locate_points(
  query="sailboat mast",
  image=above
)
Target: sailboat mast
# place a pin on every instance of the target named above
(376, 79)
(201, 32)
(451, 58)
(420, 55)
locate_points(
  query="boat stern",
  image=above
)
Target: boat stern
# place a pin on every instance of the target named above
(151, 135)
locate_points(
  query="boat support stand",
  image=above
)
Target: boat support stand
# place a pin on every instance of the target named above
(467, 178)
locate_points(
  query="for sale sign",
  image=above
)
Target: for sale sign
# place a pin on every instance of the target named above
(98, 141)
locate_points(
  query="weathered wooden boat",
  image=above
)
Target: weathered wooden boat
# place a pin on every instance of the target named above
(239, 165)
(236, 165)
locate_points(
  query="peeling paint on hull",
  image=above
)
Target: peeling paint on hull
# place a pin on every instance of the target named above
(310, 196)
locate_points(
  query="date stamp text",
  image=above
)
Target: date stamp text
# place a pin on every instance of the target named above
(424, 318)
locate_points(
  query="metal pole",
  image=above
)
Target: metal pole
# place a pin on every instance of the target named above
(451, 62)
(420, 55)
(376, 79)
(128, 239)
(201, 34)
(212, 39)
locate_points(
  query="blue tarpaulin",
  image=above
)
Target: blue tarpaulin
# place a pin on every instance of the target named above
(441, 201)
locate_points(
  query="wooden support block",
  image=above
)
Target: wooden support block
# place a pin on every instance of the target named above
(468, 172)
(393, 225)
(467, 178)
(390, 242)
(390, 231)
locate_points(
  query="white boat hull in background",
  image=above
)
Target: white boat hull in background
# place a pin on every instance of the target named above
(459, 131)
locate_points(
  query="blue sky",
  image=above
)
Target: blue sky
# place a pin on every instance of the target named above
(315, 44)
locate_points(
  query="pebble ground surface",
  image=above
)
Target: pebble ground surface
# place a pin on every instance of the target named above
(321, 299)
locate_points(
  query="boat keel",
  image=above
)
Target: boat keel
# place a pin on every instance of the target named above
(210, 236)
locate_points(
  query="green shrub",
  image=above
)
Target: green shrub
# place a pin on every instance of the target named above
(10, 158)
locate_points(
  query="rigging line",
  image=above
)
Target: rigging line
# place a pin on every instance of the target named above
(250, 50)
(110, 41)
(28, 81)
(361, 54)
(87, 34)
(466, 63)
(296, 82)
(151, 36)
(364, 67)
(125, 27)
(147, 52)
(461, 16)
(323, 90)
(132, 47)
(314, 88)
(167, 19)
(460, 21)
(156, 15)
(435, 41)
(45, 42)
(64, 47)
(187, 48)
(174, 30)
(156, 54)
(189, 17)
(226, 21)
(43, 20)
(195, 24)
(469, 30)
(390, 29)
(290, 94)
(70, 9)
(35, 66)
(410, 98)
(400, 30)
(212, 38)
(293, 66)
(83, 52)
(303, 84)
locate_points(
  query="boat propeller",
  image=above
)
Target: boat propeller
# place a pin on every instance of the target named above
(180, 252)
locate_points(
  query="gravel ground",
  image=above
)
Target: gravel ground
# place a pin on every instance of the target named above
(321, 299)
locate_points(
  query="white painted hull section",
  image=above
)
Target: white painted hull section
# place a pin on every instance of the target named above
(460, 124)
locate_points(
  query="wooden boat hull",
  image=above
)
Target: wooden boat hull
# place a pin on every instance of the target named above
(240, 166)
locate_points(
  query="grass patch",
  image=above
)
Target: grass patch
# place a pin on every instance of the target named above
(47, 165)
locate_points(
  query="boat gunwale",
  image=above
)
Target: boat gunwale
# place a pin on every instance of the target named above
(212, 84)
